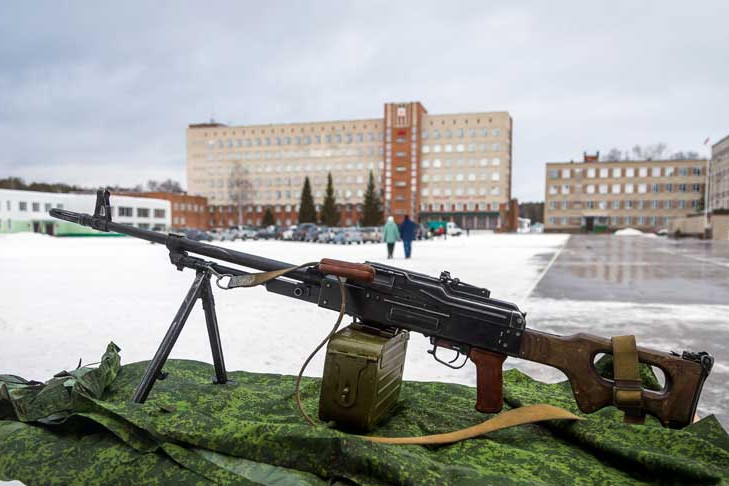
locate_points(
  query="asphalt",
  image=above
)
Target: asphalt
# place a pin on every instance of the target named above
(671, 294)
(639, 269)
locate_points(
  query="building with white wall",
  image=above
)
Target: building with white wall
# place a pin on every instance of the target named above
(28, 211)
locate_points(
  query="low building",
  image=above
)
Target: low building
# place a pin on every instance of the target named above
(594, 196)
(28, 211)
(719, 176)
(187, 211)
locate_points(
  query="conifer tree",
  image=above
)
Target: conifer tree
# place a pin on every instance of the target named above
(268, 218)
(329, 214)
(307, 211)
(372, 210)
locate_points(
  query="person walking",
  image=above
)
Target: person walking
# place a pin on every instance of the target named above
(407, 233)
(390, 235)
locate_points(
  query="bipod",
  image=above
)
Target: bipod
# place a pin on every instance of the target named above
(201, 289)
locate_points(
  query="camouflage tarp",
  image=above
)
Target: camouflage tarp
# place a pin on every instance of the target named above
(80, 428)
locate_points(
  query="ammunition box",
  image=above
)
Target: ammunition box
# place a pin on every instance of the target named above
(362, 376)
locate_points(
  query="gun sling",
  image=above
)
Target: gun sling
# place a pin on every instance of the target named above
(627, 390)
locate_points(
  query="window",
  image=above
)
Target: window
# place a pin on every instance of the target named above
(591, 173)
(565, 173)
(615, 220)
(643, 172)
(129, 212)
(682, 204)
(669, 187)
(565, 188)
(565, 205)
(590, 189)
(667, 204)
(36, 207)
(630, 172)
(552, 204)
(628, 204)
(553, 189)
(22, 206)
(683, 171)
(696, 188)
(159, 213)
(47, 206)
(616, 172)
(642, 188)
(603, 188)
(682, 188)
(696, 171)
(616, 189)
(604, 172)
(628, 219)
(552, 173)
(495, 176)
(616, 204)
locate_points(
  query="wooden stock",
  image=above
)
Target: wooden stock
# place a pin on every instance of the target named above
(574, 356)
(353, 271)
(489, 382)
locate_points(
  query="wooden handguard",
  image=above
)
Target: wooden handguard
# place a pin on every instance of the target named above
(352, 271)
(489, 383)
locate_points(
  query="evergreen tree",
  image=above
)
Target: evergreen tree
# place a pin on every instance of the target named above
(307, 211)
(372, 210)
(329, 213)
(268, 218)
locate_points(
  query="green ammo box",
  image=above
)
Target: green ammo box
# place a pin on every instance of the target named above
(362, 376)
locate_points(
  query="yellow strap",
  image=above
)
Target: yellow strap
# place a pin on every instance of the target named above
(253, 279)
(515, 416)
(627, 390)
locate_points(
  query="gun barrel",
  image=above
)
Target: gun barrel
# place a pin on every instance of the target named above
(184, 244)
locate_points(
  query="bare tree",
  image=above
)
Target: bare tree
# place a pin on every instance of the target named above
(614, 155)
(240, 188)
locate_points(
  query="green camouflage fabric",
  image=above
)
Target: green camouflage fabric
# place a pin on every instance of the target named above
(81, 428)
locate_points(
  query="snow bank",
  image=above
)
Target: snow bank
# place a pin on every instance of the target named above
(628, 232)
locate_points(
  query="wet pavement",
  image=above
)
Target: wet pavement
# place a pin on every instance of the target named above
(671, 294)
(639, 269)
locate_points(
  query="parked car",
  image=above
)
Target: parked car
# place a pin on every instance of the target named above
(266, 233)
(348, 236)
(198, 235)
(326, 234)
(287, 233)
(371, 234)
(221, 234)
(453, 229)
(422, 232)
(301, 231)
(244, 232)
(312, 233)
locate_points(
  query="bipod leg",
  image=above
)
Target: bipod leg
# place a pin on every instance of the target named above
(211, 320)
(163, 352)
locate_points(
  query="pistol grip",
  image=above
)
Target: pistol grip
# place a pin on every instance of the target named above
(489, 382)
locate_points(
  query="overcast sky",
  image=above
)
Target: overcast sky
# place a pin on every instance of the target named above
(93, 93)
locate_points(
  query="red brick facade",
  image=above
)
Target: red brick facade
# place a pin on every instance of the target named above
(187, 211)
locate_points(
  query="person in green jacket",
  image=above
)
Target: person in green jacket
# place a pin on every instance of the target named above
(390, 234)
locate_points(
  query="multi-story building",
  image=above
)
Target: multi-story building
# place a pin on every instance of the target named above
(28, 211)
(598, 196)
(455, 167)
(187, 211)
(719, 176)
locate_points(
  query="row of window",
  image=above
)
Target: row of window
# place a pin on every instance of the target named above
(460, 191)
(369, 151)
(189, 207)
(460, 133)
(460, 177)
(447, 163)
(471, 147)
(295, 140)
(653, 221)
(623, 188)
(628, 204)
(605, 172)
(469, 206)
(34, 206)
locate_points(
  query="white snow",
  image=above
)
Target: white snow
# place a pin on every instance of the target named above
(628, 232)
(65, 299)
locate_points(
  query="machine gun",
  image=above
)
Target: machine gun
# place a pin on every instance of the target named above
(453, 314)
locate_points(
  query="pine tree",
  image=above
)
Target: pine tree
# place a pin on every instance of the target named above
(372, 210)
(329, 213)
(268, 218)
(307, 211)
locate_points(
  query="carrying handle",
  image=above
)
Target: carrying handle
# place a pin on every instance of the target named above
(359, 272)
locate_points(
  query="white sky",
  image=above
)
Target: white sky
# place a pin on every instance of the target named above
(97, 94)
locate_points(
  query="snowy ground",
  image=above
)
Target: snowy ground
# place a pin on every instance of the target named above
(65, 299)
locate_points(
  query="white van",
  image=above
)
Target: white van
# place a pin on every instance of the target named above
(453, 229)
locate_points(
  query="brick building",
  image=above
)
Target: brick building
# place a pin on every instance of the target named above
(719, 176)
(187, 211)
(454, 167)
(603, 196)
